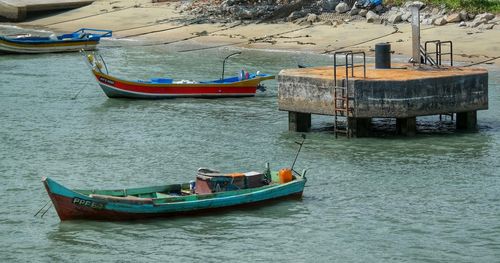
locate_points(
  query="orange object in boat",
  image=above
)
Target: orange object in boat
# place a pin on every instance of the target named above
(285, 175)
(236, 175)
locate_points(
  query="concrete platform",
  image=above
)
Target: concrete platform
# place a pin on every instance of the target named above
(401, 92)
(17, 10)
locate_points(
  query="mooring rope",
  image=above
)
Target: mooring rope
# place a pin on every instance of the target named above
(243, 42)
(360, 43)
(191, 37)
(48, 208)
(170, 42)
(42, 208)
(154, 31)
(482, 62)
(83, 17)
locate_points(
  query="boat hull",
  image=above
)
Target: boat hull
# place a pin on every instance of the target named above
(7, 46)
(71, 205)
(117, 88)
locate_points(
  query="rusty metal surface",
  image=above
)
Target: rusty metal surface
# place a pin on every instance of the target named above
(397, 72)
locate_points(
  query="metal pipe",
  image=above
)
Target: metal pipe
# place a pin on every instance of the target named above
(224, 63)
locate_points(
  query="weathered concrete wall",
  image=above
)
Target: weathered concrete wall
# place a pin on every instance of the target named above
(12, 12)
(420, 97)
(17, 10)
(456, 90)
(305, 94)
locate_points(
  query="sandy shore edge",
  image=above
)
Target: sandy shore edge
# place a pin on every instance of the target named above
(162, 24)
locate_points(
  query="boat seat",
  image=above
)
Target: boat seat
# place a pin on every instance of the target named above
(125, 199)
(162, 195)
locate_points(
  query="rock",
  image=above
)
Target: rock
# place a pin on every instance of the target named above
(354, 11)
(463, 15)
(443, 11)
(311, 18)
(428, 21)
(481, 19)
(329, 5)
(408, 4)
(440, 21)
(371, 17)
(476, 23)
(471, 16)
(363, 12)
(302, 21)
(380, 9)
(395, 18)
(342, 8)
(246, 14)
(435, 11)
(453, 18)
(462, 24)
(485, 16)
(486, 26)
(406, 16)
(294, 15)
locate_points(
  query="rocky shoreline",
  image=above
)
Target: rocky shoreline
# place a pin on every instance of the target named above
(331, 12)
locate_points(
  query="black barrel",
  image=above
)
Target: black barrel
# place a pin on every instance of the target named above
(383, 55)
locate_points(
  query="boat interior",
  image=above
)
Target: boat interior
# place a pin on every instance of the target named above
(228, 80)
(208, 184)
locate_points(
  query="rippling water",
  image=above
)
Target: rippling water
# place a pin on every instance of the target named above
(431, 198)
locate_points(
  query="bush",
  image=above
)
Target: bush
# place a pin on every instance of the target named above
(469, 5)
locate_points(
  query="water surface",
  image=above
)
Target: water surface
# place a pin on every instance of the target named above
(431, 198)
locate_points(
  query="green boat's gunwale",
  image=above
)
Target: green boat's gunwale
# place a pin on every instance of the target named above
(135, 191)
(151, 192)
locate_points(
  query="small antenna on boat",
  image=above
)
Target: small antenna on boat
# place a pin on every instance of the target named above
(224, 63)
(300, 147)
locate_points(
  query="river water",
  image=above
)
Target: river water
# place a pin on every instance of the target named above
(432, 198)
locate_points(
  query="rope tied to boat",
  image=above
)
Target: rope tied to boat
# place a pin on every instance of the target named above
(42, 209)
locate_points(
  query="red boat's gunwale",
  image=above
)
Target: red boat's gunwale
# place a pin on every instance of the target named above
(248, 87)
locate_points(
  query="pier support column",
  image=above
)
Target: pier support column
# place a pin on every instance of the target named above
(299, 122)
(467, 120)
(360, 127)
(406, 126)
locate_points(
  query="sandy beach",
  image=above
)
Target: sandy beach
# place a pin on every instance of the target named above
(163, 23)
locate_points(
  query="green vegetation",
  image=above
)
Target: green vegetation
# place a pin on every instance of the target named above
(469, 5)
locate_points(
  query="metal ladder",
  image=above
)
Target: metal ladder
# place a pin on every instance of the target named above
(438, 53)
(341, 98)
(437, 61)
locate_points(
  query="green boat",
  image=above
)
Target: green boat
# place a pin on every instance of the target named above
(210, 192)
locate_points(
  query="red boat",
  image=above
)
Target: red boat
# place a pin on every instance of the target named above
(244, 85)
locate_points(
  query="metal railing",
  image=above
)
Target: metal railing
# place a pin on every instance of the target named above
(437, 52)
(340, 92)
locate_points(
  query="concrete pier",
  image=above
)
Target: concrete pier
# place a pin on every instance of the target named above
(17, 10)
(300, 122)
(401, 92)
